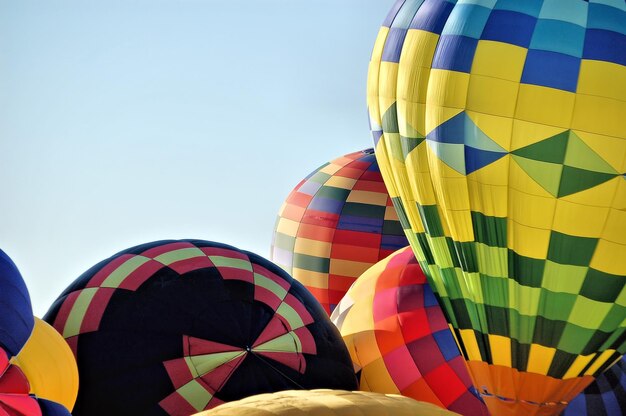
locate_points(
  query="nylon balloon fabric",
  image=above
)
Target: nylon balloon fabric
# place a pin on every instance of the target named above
(326, 403)
(500, 134)
(49, 365)
(335, 224)
(178, 326)
(16, 327)
(399, 339)
(16, 317)
(606, 396)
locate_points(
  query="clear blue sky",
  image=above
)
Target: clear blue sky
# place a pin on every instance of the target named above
(128, 121)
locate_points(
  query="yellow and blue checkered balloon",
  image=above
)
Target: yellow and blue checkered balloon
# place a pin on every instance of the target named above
(500, 131)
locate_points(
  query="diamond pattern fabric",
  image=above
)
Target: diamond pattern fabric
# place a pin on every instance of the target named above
(515, 201)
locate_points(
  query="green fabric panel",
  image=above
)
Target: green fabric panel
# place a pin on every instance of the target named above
(548, 175)
(556, 306)
(522, 327)
(195, 394)
(519, 355)
(320, 177)
(431, 220)
(191, 367)
(616, 339)
(471, 287)
(450, 280)
(288, 342)
(575, 180)
(621, 298)
(614, 318)
(77, 314)
(332, 192)
(178, 255)
(422, 240)
(315, 264)
(394, 145)
(550, 150)
(221, 261)
(363, 210)
(524, 299)
(483, 346)
(492, 261)
(526, 271)
(491, 231)
(401, 212)
(290, 315)
(548, 332)
(603, 287)
(495, 291)
(588, 313)
(461, 313)
(118, 275)
(452, 155)
(270, 285)
(569, 249)
(442, 252)
(390, 120)
(409, 143)
(580, 155)
(563, 277)
(596, 341)
(452, 253)
(208, 362)
(284, 241)
(561, 362)
(498, 320)
(433, 274)
(574, 339)
(466, 254)
(392, 228)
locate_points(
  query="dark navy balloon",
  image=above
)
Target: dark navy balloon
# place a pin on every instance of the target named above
(16, 313)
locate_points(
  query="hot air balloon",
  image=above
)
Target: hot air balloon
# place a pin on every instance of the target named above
(16, 326)
(499, 130)
(178, 326)
(335, 224)
(49, 365)
(399, 339)
(606, 396)
(327, 403)
(16, 317)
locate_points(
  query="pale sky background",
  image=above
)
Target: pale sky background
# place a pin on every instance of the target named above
(129, 121)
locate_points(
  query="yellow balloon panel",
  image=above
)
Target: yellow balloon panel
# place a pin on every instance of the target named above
(327, 403)
(519, 181)
(48, 363)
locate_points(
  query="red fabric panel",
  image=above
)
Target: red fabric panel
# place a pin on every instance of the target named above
(166, 248)
(188, 265)
(64, 311)
(95, 310)
(290, 359)
(108, 268)
(140, 275)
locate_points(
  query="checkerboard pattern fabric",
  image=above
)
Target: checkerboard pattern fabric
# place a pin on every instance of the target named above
(335, 224)
(399, 339)
(500, 131)
(178, 326)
